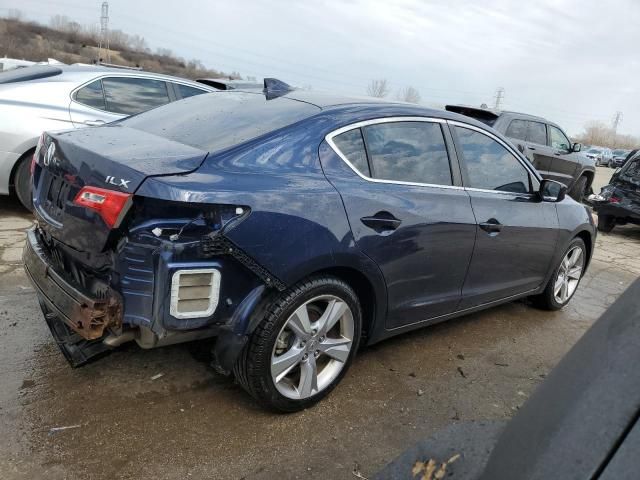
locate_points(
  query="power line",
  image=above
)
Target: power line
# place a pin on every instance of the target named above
(499, 97)
(104, 32)
(617, 118)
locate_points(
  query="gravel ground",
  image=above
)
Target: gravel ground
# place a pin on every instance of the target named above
(191, 422)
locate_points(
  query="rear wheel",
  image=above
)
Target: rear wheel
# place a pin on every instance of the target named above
(22, 181)
(579, 189)
(606, 223)
(565, 279)
(303, 347)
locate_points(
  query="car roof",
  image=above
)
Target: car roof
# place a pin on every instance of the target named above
(329, 101)
(85, 72)
(498, 113)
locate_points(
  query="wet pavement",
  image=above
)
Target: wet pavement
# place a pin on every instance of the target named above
(166, 414)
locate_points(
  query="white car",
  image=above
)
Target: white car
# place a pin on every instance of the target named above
(45, 98)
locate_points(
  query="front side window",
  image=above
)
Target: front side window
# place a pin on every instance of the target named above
(537, 133)
(91, 95)
(409, 152)
(489, 165)
(558, 139)
(129, 96)
(518, 130)
(351, 145)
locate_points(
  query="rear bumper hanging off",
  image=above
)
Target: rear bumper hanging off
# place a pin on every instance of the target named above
(86, 316)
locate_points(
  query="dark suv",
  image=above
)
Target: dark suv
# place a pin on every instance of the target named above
(544, 143)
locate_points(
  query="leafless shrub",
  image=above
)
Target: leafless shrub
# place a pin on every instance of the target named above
(378, 88)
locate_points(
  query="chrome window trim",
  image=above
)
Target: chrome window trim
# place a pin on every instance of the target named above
(329, 139)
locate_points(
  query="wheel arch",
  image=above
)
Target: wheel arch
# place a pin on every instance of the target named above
(586, 237)
(14, 168)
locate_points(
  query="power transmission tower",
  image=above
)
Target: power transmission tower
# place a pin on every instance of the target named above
(499, 98)
(617, 119)
(104, 32)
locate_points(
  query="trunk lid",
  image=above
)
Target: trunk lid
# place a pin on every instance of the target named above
(112, 157)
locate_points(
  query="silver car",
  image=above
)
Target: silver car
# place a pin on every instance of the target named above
(45, 97)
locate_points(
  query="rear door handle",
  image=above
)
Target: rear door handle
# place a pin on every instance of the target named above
(491, 226)
(531, 148)
(382, 222)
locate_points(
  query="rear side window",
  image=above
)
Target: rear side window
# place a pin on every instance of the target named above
(91, 95)
(489, 165)
(185, 91)
(351, 145)
(537, 133)
(517, 129)
(408, 152)
(129, 96)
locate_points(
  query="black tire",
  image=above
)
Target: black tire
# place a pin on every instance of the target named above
(546, 300)
(253, 369)
(579, 189)
(606, 223)
(22, 181)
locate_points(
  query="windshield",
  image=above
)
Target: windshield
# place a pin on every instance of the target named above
(29, 73)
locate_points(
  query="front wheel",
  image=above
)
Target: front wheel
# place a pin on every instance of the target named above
(304, 345)
(579, 189)
(565, 279)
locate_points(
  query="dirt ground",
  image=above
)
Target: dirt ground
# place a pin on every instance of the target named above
(192, 422)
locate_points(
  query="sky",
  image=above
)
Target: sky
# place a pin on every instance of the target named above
(571, 61)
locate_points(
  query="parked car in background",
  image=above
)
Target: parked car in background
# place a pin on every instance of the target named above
(596, 154)
(618, 158)
(619, 202)
(55, 97)
(544, 143)
(290, 226)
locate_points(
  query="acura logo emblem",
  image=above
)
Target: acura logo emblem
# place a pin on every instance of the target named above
(49, 156)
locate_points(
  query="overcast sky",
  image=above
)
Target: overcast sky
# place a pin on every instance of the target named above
(568, 60)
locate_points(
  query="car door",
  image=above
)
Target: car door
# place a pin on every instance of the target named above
(121, 97)
(531, 139)
(517, 233)
(564, 164)
(407, 211)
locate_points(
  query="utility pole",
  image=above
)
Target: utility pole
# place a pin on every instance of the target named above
(617, 119)
(499, 97)
(104, 32)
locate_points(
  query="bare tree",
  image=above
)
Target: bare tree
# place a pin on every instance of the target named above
(599, 133)
(409, 94)
(14, 14)
(378, 88)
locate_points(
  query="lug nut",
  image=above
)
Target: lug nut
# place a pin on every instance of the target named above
(321, 339)
(317, 352)
(305, 356)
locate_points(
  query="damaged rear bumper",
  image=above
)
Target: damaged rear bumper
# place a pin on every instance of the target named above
(87, 317)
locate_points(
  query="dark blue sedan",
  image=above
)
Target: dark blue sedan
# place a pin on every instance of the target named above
(291, 227)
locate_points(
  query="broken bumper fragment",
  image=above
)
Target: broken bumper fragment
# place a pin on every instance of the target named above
(86, 316)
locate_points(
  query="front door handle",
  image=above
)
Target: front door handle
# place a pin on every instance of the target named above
(532, 148)
(491, 226)
(382, 222)
(94, 123)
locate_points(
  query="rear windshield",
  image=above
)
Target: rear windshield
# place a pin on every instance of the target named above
(29, 73)
(216, 121)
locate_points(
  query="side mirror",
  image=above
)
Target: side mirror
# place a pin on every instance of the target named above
(552, 191)
(576, 147)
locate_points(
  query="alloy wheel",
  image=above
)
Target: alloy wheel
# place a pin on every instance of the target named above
(569, 275)
(312, 347)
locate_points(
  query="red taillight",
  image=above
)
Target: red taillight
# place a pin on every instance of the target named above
(108, 203)
(614, 200)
